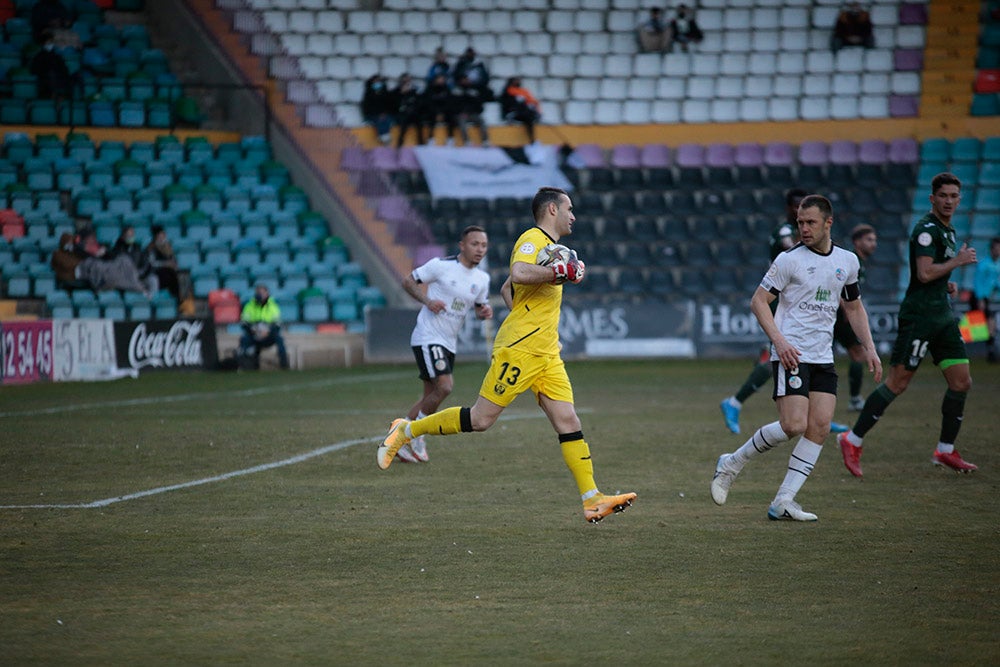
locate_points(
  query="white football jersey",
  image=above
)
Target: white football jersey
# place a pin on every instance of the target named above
(810, 286)
(460, 288)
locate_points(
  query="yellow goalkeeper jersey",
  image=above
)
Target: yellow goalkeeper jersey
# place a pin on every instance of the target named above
(533, 323)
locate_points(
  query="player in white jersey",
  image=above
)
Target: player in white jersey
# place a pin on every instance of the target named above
(455, 285)
(813, 278)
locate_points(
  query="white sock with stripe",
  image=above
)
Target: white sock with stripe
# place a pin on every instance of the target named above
(800, 464)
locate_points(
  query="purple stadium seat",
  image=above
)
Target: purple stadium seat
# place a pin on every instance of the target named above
(384, 157)
(908, 60)
(654, 156)
(843, 151)
(873, 151)
(912, 13)
(425, 253)
(749, 155)
(408, 159)
(591, 155)
(904, 151)
(779, 154)
(393, 209)
(720, 155)
(625, 156)
(354, 159)
(690, 155)
(814, 153)
(903, 106)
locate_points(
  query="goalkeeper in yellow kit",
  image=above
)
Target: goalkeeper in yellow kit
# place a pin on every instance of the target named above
(526, 356)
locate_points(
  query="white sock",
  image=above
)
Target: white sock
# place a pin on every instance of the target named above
(853, 438)
(762, 440)
(733, 402)
(800, 464)
(946, 448)
(421, 415)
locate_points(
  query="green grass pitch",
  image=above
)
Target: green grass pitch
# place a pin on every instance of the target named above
(194, 518)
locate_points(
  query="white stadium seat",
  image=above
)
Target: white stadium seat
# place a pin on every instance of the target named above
(725, 111)
(665, 111)
(588, 21)
(794, 18)
(762, 41)
(393, 67)
(783, 108)
(905, 83)
(361, 22)
(791, 63)
(590, 65)
(737, 41)
(598, 42)
(677, 64)
(330, 91)
(293, 43)
(562, 66)
(622, 42)
(363, 67)
(276, 21)
(338, 67)
(844, 108)
(559, 22)
(402, 44)
(531, 66)
(321, 44)
(499, 21)
(765, 18)
(736, 18)
(875, 83)
(617, 65)
(825, 17)
(473, 23)
(794, 40)
(527, 21)
(846, 84)
(568, 42)
(414, 22)
(584, 89)
(695, 111)
(442, 23)
(388, 22)
(641, 88)
(671, 88)
(538, 43)
(648, 64)
(758, 86)
(753, 110)
(787, 85)
(733, 64)
(331, 22)
(348, 44)
(729, 87)
(878, 60)
(705, 64)
(313, 67)
(301, 21)
(510, 43)
(552, 88)
(613, 88)
(820, 62)
(636, 112)
(700, 88)
(850, 60)
(817, 85)
(909, 37)
(762, 63)
(874, 106)
(812, 108)
(576, 112)
(620, 21)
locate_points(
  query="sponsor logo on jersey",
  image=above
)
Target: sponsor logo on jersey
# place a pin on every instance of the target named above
(924, 239)
(795, 382)
(822, 294)
(526, 248)
(841, 275)
(499, 389)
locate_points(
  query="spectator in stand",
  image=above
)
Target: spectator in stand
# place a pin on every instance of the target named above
(853, 28)
(127, 246)
(470, 99)
(439, 66)
(161, 258)
(986, 289)
(49, 16)
(438, 104)
(406, 102)
(471, 65)
(517, 104)
(684, 29)
(82, 262)
(54, 80)
(65, 260)
(261, 320)
(654, 34)
(376, 107)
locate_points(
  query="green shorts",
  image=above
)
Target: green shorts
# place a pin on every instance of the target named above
(843, 333)
(918, 336)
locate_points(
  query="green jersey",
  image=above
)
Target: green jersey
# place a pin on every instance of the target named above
(930, 238)
(783, 237)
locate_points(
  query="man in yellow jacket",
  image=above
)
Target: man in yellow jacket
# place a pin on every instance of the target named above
(261, 320)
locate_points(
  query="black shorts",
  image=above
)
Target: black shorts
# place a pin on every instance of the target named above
(843, 333)
(433, 360)
(804, 379)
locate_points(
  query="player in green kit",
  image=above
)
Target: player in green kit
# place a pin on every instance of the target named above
(526, 357)
(926, 324)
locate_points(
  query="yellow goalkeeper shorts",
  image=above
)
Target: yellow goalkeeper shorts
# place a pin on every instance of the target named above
(512, 373)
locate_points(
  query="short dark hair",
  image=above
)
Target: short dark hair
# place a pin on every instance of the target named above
(944, 178)
(156, 229)
(793, 194)
(470, 229)
(544, 197)
(995, 240)
(861, 230)
(820, 202)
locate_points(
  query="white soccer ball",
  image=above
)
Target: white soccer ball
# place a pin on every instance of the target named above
(553, 253)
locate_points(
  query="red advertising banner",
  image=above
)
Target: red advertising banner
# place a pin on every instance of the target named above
(27, 351)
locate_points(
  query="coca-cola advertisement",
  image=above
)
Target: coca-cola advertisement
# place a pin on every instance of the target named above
(166, 345)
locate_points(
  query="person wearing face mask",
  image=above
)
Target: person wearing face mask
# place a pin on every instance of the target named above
(376, 107)
(261, 321)
(407, 103)
(160, 255)
(517, 104)
(54, 80)
(853, 28)
(127, 246)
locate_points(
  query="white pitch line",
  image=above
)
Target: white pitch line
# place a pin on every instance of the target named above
(229, 475)
(57, 409)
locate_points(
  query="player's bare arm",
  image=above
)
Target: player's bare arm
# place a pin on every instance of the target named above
(928, 270)
(414, 289)
(858, 318)
(760, 305)
(506, 293)
(523, 273)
